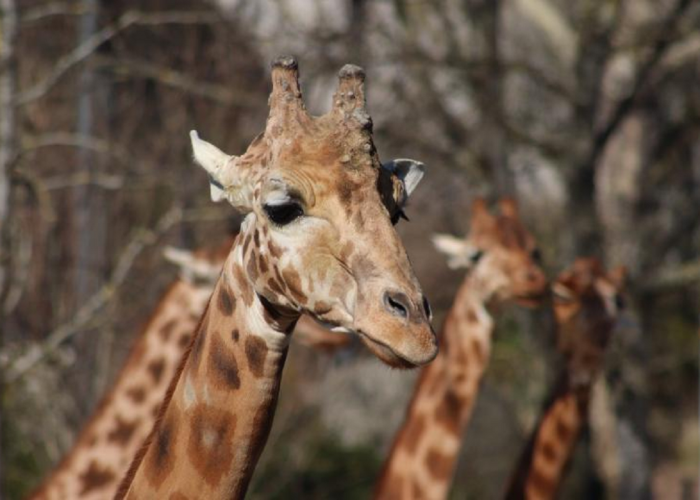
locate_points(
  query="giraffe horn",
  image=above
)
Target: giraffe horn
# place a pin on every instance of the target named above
(285, 98)
(349, 98)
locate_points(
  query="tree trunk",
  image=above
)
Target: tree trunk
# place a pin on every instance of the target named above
(8, 145)
(89, 212)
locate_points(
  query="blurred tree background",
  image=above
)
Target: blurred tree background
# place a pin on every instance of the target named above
(587, 112)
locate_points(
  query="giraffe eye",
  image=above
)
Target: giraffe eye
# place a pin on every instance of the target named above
(283, 214)
(536, 255)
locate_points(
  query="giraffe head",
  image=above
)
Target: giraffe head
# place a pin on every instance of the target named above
(318, 236)
(498, 252)
(587, 303)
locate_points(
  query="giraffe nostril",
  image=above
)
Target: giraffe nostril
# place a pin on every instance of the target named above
(396, 304)
(426, 307)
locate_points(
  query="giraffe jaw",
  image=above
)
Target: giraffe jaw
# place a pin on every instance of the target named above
(386, 353)
(380, 349)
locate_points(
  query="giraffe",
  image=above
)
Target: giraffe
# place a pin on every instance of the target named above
(91, 470)
(101, 455)
(317, 238)
(103, 451)
(502, 263)
(587, 302)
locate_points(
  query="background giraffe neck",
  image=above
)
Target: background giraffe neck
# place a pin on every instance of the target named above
(551, 444)
(422, 459)
(218, 411)
(125, 416)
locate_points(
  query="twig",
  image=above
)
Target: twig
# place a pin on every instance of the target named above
(142, 240)
(659, 49)
(89, 142)
(105, 181)
(682, 275)
(92, 143)
(52, 9)
(91, 44)
(176, 79)
(21, 264)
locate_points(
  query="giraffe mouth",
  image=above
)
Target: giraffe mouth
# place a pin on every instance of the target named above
(385, 353)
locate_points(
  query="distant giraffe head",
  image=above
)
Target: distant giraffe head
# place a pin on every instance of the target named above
(318, 235)
(587, 303)
(499, 253)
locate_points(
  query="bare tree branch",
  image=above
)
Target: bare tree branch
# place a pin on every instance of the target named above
(8, 144)
(89, 142)
(90, 45)
(660, 46)
(176, 79)
(51, 9)
(683, 275)
(142, 240)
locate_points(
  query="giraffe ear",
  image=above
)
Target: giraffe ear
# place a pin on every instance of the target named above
(408, 172)
(459, 252)
(224, 183)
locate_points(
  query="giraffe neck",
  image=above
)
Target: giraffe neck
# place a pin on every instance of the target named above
(422, 459)
(551, 444)
(218, 411)
(106, 445)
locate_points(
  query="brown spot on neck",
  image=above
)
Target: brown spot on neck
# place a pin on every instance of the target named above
(390, 486)
(478, 351)
(448, 412)
(122, 431)
(167, 329)
(244, 287)
(256, 353)
(160, 459)
(262, 265)
(252, 267)
(137, 394)
(184, 341)
(224, 364)
(225, 301)
(540, 483)
(414, 429)
(562, 429)
(439, 465)
(155, 369)
(210, 445)
(95, 478)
